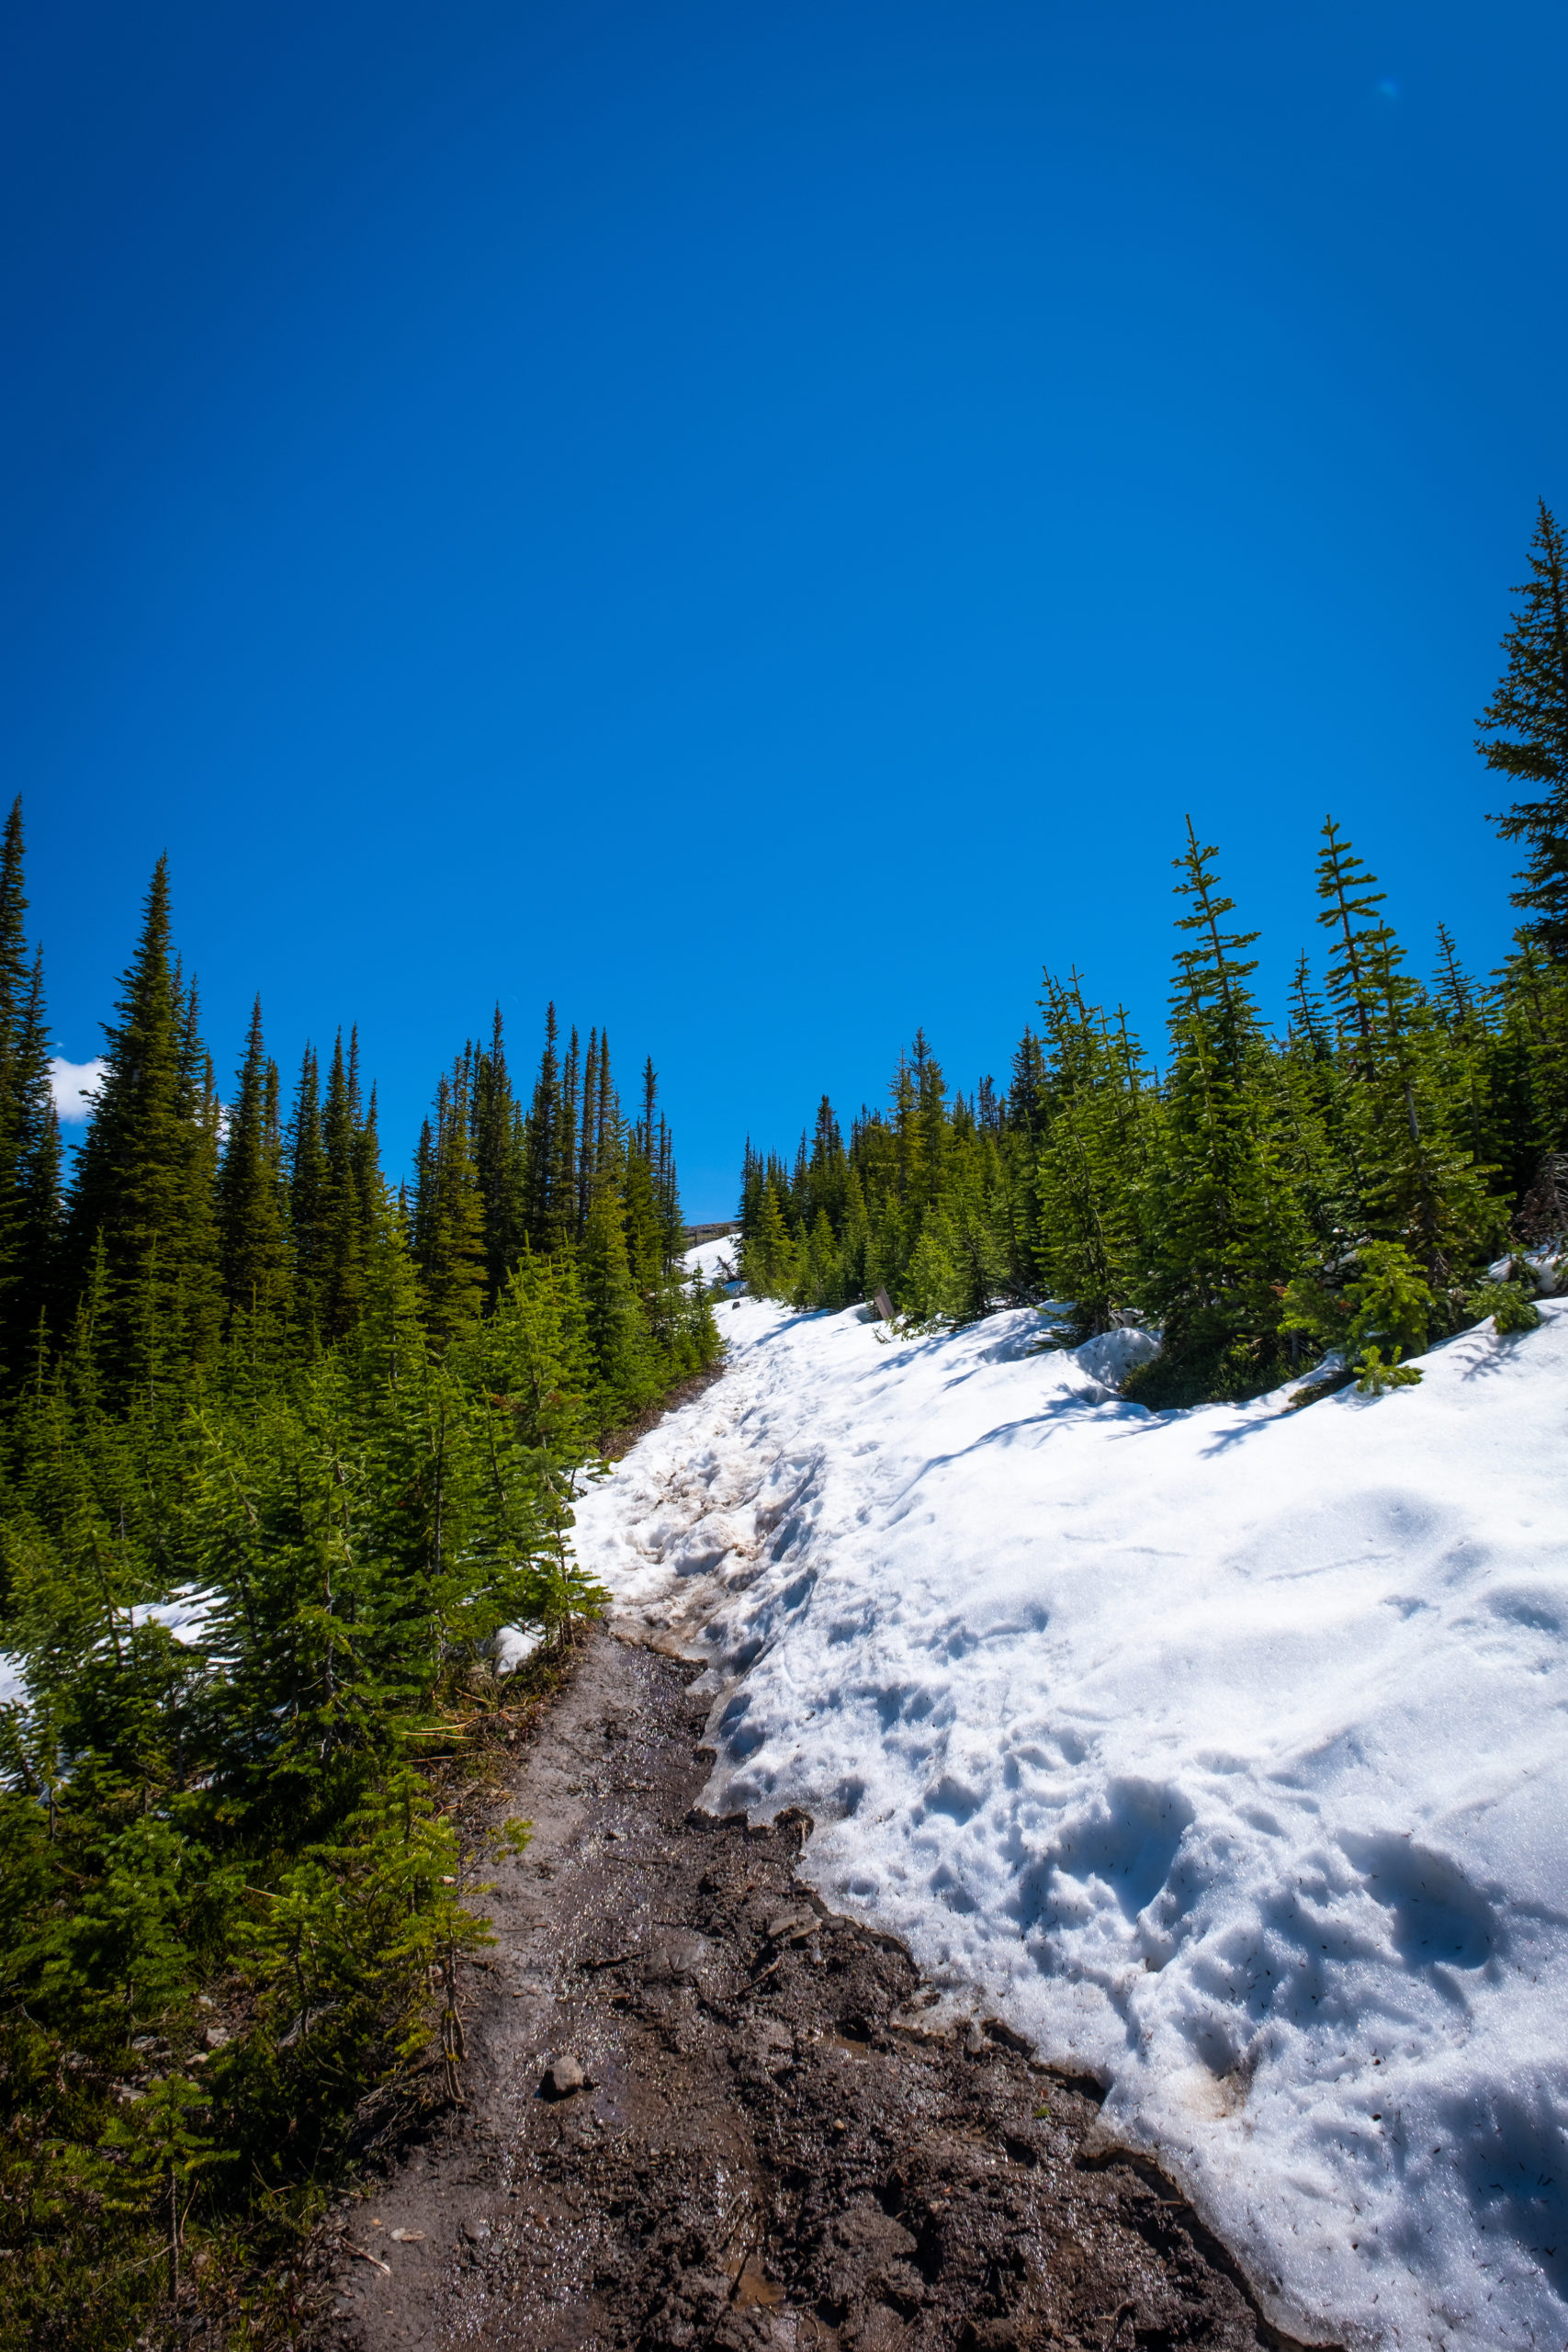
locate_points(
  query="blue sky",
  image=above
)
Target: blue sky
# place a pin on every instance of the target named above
(757, 522)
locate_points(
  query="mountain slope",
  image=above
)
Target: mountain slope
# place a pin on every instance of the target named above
(1221, 1751)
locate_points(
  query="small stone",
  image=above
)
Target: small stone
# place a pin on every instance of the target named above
(563, 2076)
(217, 2037)
(974, 2039)
(476, 2232)
(786, 1925)
(408, 2237)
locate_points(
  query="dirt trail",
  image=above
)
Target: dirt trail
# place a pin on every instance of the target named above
(767, 2151)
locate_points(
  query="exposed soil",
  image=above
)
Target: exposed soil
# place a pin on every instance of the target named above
(771, 2147)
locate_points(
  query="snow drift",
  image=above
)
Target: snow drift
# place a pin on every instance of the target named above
(1222, 1752)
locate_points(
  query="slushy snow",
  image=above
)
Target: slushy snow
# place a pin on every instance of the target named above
(1221, 1752)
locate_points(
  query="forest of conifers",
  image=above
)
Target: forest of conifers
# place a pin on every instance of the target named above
(1263, 1200)
(283, 1450)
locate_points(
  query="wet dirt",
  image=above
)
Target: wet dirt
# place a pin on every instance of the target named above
(771, 2144)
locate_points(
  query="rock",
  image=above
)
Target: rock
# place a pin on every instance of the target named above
(476, 2232)
(217, 2037)
(563, 2076)
(785, 1927)
(408, 2237)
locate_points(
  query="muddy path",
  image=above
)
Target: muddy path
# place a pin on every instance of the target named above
(768, 2149)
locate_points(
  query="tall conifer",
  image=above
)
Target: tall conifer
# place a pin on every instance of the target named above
(254, 1235)
(1525, 735)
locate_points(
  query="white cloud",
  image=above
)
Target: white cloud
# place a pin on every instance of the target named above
(69, 1081)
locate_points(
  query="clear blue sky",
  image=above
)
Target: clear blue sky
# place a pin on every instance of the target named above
(757, 521)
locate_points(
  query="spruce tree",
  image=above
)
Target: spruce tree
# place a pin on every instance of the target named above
(251, 1215)
(1089, 1161)
(617, 1331)
(307, 1166)
(450, 1239)
(587, 1158)
(1525, 736)
(546, 1208)
(29, 1132)
(340, 1290)
(1226, 1231)
(1419, 1187)
(144, 1175)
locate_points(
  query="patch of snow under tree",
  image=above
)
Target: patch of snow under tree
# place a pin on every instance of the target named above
(1222, 1752)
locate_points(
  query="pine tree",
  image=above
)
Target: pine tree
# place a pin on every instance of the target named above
(1419, 1188)
(767, 1255)
(1089, 1163)
(35, 1176)
(369, 1182)
(307, 1163)
(548, 1186)
(1225, 1230)
(251, 1214)
(29, 1132)
(1525, 735)
(144, 1175)
(618, 1332)
(450, 1239)
(340, 1290)
(587, 1156)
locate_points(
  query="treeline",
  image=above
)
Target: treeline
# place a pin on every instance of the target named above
(284, 1449)
(1262, 1198)
(193, 1231)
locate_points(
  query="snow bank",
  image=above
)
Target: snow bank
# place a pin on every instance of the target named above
(718, 1260)
(185, 1613)
(1222, 1752)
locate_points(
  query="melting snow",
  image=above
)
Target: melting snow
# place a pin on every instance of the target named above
(1222, 1752)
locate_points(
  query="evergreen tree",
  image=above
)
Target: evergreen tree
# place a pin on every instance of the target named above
(1087, 1223)
(29, 1132)
(340, 1290)
(144, 1175)
(1419, 1188)
(548, 1186)
(1225, 1230)
(450, 1234)
(251, 1211)
(587, 1156)
(1525, 735)
(618, 1333)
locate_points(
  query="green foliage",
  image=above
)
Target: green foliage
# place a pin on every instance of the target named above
(1390, 1298)
(1341, 1189)
(1525, 736)
(1511, 1309)
(1374, 1376)
(301, 1450)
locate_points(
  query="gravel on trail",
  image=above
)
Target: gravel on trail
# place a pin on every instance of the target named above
(702, 2112)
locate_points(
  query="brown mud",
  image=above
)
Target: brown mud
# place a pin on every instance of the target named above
(767, 2149)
